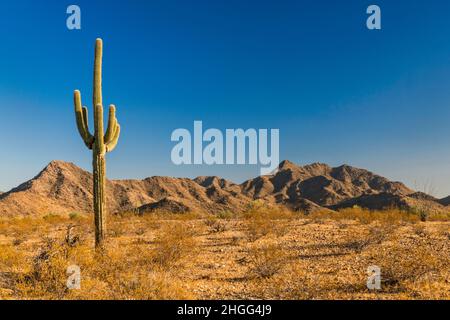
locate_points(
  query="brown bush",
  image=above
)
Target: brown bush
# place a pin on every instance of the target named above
(215, 225)
(261, 220)
(174, 242)
(266, 260)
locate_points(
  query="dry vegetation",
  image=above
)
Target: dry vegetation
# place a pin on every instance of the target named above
(265, 253)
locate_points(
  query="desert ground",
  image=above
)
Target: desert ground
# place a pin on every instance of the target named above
(263, 253)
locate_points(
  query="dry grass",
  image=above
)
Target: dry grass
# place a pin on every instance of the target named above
(366, 216)
(37, 268)
(117, 273)
(261, 221)
(266, 260)
(174, 243)
(266, 253)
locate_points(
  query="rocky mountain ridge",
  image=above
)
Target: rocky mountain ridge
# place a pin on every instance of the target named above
(63, 187)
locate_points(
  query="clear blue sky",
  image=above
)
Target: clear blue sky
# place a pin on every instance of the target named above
(338, 92)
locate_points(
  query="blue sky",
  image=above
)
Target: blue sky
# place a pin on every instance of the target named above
(338, 92)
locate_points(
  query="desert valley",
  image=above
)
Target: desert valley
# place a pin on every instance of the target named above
(306, 232)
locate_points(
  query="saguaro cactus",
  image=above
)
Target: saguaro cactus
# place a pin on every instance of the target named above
(100, 143)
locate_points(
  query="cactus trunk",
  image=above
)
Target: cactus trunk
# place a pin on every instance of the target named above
(99, 171)
(100, 143)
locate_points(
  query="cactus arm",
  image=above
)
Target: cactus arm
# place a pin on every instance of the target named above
(98, 72)
(81, 119)
(90, 139)
(85, 118)
(110, 146)
(79, 114)
(112, 124)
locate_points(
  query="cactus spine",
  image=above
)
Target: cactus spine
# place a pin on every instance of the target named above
(100, 143)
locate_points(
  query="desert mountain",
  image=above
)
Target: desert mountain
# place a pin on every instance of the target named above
(319, 184)
(63, 188)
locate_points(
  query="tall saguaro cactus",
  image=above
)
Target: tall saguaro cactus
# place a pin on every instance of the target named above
(100, 143)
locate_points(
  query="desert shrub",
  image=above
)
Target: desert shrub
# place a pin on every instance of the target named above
(423, 215)
(420, 230)
(376, 235)
(226, 214)
(266, 260)
(236, 240)
(47, 277)
(261, 220)
(74, 216)
(446, 234)
(117, 229)
(215, 225)
(12, 262)
(18, 241)
(139, 231)
(297, 283)
(174, 242)
(259, 226)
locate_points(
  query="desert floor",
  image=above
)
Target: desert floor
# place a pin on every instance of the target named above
(263, 254)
